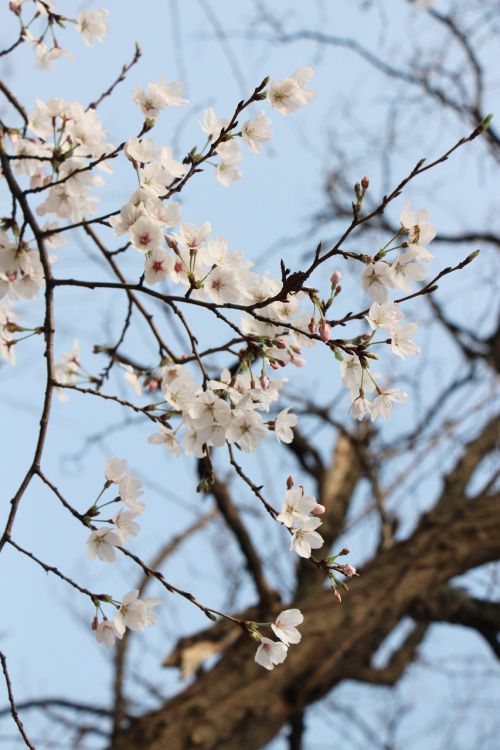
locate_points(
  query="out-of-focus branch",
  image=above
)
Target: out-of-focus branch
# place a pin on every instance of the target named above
(398, 662)
(454, 606)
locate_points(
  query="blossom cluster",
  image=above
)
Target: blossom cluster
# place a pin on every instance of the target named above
(132, 612)
(101, 542)
(270, 653)
(91, 25)
(300, 514)
(228, 410)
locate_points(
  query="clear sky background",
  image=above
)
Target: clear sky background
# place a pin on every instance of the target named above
(44, 627)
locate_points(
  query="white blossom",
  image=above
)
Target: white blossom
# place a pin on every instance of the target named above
(306, 538)
(401, 342)
(91, 24)
(101, 543)
(115, 469)
(285, 628)
(296, 507)
(375, 278)
(270, 653)
(291, 93)
(384, 315)
(107, 633)
(382, 404)
(256, 131)
(283, 425)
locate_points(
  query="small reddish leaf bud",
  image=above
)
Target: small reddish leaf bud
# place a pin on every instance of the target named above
(336, 595)
(290, 482)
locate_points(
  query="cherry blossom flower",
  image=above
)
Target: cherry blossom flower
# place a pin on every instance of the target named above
(382, 404)
(228, 172)
(230, 154)
(167, 438)
(404, 271)
(116, 469)
(212, 125)
(285, 628)
(107, 633)
(270, 653)
(349, 570)
(291, 93)
(125, 524)
(91, 24)
(296, 507)
(417, 224)
(141, 150)
(256, 131)
(283, 425)
(159, 265)
(360, 408)
(193, 236)
(158, 96)
(132, 613)
(247, 430)
(305, 538)
(221, 285)
(130, 489)
(132, 377)
(375, 278)
(384, 315)
(209, 408)
(101, 543)
(145, 234)
(401, 342)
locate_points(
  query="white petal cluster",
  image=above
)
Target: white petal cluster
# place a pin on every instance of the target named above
(271, 653)
(157, 96)
(133, 613)
(102, 541)
(229, 410)
(296, 514)
(291, 93)
(91, 25)
(380, 275)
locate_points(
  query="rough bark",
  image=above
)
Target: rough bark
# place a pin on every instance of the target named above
(237, 705)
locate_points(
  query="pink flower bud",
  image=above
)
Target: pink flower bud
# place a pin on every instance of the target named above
(94, 623)
(324, 330)
(365, 183)
(264, 382)
(152, 384)
(312, 326)
(280, 344)
(336, 595)
(290, 482)
(344, 551)
(318, 510)
(171, 243)
(297, 361)
(335, 278)
(274, 364)
(349, 571)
